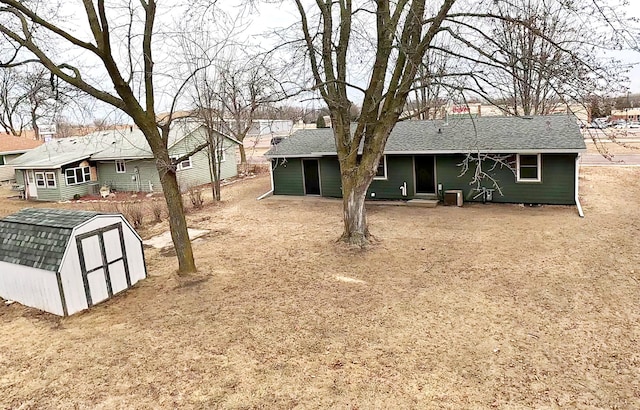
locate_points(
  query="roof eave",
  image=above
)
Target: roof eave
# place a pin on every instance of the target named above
(444, 152)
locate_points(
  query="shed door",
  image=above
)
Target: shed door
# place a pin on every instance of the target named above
(103, 261)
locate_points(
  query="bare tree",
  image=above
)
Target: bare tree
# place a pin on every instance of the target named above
(129, 84)
(27, 97)
(12, 101)
(398, 35)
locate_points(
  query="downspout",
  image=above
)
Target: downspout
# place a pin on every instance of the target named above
(266, 194)
(576, 185)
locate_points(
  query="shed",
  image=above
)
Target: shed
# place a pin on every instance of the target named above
(65, 261)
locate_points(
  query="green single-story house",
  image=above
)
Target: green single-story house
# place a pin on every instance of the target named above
(120, 159)
(538, 161)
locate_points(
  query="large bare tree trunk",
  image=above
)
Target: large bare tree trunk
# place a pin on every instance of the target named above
(243, 156)
(177, 221)
(354, 193)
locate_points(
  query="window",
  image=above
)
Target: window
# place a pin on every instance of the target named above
(528, 168)
(221, 154)
(40, 180)
(120, 166)
(77, 175)
(186, 164)
(381, 173)
(2, 161)
(51, 179)
(45, 179)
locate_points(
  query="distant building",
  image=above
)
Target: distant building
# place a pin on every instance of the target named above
(627, 114)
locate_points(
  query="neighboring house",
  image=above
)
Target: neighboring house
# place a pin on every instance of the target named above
(259, 127)
(12, 147)
(121, 159)
(128, 164)
(422, 159)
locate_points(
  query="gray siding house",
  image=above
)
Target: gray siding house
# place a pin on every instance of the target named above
(422, 159)
(119, 159)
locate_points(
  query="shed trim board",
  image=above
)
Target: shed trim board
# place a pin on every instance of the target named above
(63, 300)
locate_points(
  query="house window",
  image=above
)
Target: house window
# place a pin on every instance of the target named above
(45, 179)
(120, 166)
(221, 154)
(40, 180)
(78, 175)
(381, 172)
(528, 168)
(186, 164)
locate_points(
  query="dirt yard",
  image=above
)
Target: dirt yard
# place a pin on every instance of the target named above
(485, 306)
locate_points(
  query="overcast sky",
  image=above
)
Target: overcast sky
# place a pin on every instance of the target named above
(269, 16)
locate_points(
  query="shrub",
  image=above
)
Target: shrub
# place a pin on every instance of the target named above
(133, 212)
(156, 209)
(195, 196)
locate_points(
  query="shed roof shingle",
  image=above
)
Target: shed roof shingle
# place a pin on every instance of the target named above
(484, 134)
(37, 237)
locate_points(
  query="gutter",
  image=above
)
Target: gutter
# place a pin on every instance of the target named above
(266, 194)
(580, 212)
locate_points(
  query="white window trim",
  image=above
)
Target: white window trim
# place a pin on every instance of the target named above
(539, 169)
(53, 178)
(45, 180)
(37, 181)
(384, 164)
(66, 178)
(121, 166)
(180, 166)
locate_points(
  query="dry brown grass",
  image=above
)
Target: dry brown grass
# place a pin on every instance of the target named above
(494, 306)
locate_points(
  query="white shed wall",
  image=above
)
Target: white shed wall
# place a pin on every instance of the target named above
(30, 286)
(71, 273)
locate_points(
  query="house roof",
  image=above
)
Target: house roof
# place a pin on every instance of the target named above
(132, 144)
(58, 152)
(37, 237)
(10, 144)
(129, 143)
(553, 133)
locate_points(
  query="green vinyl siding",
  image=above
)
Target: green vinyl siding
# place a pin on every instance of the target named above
(287, 176)
(139, 176)
(288, 181)
(330, 182)
(399, 171)
(200, 171)
(557, 185)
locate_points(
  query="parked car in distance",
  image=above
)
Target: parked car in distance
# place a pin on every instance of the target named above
(634, 124)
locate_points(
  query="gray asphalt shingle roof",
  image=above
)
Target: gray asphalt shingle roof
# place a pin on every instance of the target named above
(485, 134)
(59, 152)
(37, 237)
(100, 145)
